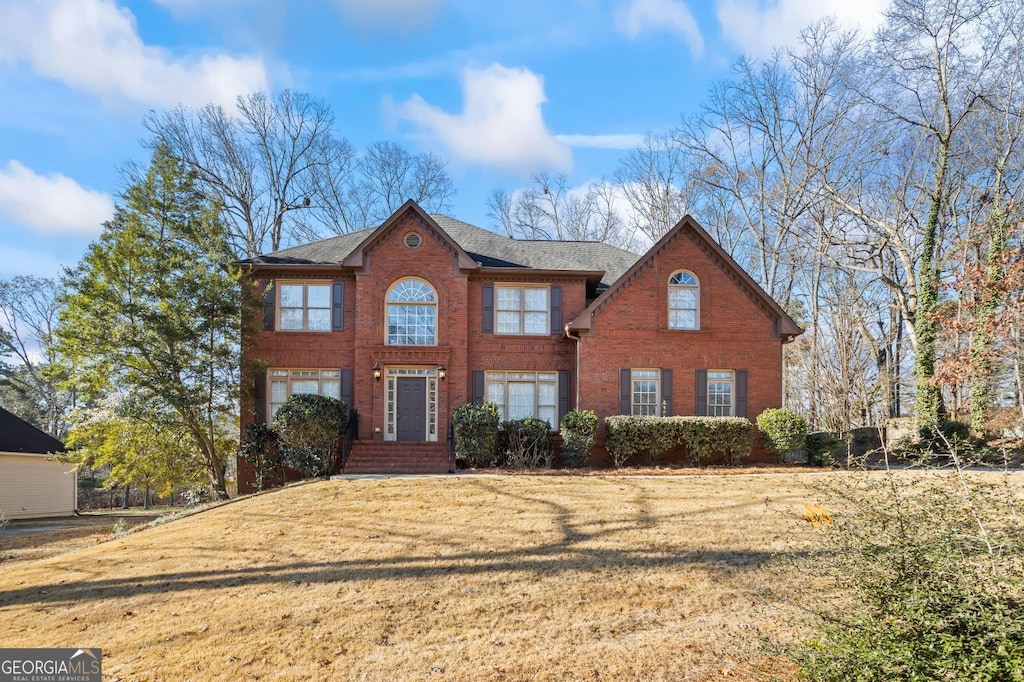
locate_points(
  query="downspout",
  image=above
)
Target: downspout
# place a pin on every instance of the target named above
(579, 361)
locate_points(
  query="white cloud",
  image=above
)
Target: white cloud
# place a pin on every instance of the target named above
(757, 26)
(611, 141)
(672, 16)
(500, 124)
(389, 13)
(93, 46)
(51, 204)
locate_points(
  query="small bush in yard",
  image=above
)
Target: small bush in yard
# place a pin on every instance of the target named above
(579, 430)
(529, 443)
(822, 447)
(783, 431)
(309, 427)
(259, 448)
(476, 433)
(929, 578)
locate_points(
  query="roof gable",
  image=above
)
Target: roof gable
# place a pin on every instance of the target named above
(17, 435)
(785, 326)
(357, 258)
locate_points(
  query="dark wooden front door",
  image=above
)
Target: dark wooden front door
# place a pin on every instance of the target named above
(411, 409)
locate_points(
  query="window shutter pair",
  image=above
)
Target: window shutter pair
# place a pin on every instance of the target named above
(337, 307)
(554, 302)
(626, 392)
(702, 392)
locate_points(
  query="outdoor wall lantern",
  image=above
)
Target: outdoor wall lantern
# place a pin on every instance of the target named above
(442, 372)
(376, 371)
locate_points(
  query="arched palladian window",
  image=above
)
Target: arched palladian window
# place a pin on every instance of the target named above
(412, 314)
(683, 301)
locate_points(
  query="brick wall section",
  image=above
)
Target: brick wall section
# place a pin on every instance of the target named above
(631, 331)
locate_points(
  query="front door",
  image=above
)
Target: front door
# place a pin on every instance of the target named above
(411, 409)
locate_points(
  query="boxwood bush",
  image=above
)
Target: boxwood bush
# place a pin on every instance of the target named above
(783, 431)
(579, 430)
(703, 437)
(308, 428)
(476, 434)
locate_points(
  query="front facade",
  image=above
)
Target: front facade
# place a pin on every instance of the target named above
(423, 314)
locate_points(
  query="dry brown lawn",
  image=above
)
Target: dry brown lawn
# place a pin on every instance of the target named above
(448, 578)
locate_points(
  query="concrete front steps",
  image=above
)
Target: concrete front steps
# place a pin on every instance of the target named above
(376, 457)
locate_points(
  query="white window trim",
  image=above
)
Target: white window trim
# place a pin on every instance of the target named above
(323, 374)
(633, 379)
(305, 284)
(522, 313)
(505, 377)
(731, 380)
(696, 310)
(387, 311)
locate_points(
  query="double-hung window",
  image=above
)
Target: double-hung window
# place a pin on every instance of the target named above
(522, 309)
(304, 306)
(646, 393)
(524, 394)
(721, 393)
(285, 383)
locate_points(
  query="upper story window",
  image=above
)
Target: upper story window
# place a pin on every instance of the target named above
(304, 306)
(683, 301)
(521, 309)
(412, 314)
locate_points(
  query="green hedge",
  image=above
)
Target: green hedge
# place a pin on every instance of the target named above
(783, 431)
(579, 430)
(476, 433)
(308, 428)
(703, 437)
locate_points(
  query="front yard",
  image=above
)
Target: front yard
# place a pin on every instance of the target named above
(454, 578)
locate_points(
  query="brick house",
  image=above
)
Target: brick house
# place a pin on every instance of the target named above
(409, 320)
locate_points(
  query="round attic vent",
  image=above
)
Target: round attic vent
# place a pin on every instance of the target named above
(412, 240)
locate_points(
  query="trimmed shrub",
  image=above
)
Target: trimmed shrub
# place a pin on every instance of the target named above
(259, 448)
(579, 430)
(309, 427)
(822, 447)
(529, 443)
(948, 434)
(783, 431)
(703, 437)
(476, 433)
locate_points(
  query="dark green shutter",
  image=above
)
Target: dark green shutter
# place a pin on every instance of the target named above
(259, 397)
(625, 391)
(488, 309)
(269, 298)
(563, 395)
(741, 393)
(702, 393)
(337, 306)
(666, 393)
(478, 387)
(556, 309)
(346, 388)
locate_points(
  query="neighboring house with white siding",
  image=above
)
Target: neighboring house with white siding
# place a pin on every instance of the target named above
(32, 484)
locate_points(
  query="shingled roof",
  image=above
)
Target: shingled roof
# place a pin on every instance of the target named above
(17, 435)
(488, 248)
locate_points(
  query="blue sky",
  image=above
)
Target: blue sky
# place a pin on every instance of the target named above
(500, 90)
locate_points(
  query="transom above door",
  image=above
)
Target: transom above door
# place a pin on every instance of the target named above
(410, 405)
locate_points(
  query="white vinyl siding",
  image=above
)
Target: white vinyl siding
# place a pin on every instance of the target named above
(34, 486)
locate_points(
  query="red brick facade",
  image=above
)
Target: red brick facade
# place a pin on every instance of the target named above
(626, 326)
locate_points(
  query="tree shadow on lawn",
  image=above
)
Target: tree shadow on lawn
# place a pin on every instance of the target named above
(565, 554)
